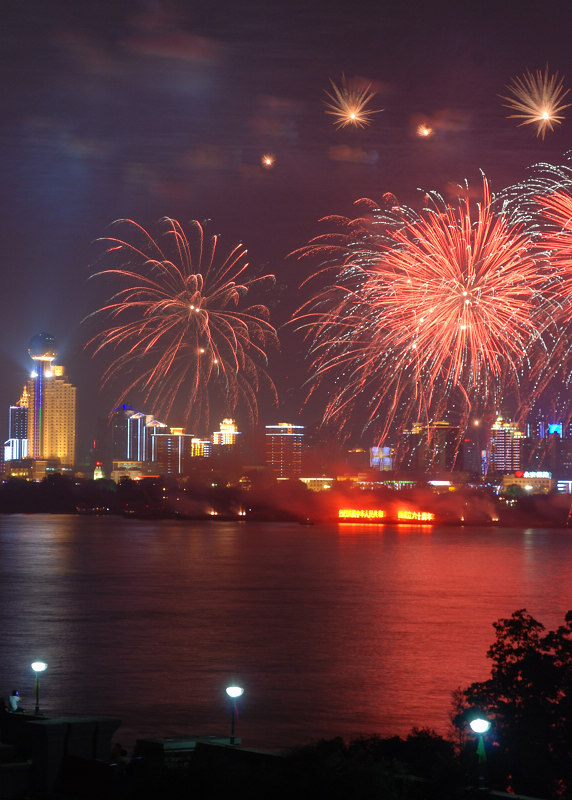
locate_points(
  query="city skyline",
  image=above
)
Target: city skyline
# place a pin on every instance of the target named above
(151, 110)
(42, 432)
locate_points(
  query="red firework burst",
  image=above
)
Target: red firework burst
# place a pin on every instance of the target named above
(179, 324)
(428, 311)
(557, 209)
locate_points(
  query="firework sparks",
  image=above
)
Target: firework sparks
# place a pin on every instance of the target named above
(543, 202)
(348, 104)
(268, 160)
(178, 325)
(537, 97)
(428, 312)
(424, 130)
(557, 209)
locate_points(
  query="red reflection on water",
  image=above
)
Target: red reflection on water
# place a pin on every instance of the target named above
(332, 630)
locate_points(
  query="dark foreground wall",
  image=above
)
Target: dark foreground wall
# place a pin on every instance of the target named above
(48, 742)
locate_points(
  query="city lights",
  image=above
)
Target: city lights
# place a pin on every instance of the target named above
(375, 514)
(416, 516)
(361, 513)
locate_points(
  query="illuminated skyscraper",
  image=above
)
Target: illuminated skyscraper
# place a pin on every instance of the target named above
(227, 434)
(201, 448)
(284, 449)
(16, 448)
(153, 427)
(133, 437)
(171, 451)
(51, 409)
(137, 439)
(505, 446)
(120, 431)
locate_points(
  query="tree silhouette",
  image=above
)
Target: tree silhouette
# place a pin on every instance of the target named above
(528, 700)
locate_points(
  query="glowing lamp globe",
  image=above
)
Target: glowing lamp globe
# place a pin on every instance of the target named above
(234, 691)
(38, 666)
(479, 725)
(42, 347)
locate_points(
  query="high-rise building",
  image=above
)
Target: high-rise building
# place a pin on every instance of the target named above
(284, 449)
(201, 448)
(51, 419)
(120, 432)
(471, 454)
(16, 447)
(430, 447)
(138, 436)
(172, 451)
(505, 446)
(152, 428)
(227, 435)
(132, 434)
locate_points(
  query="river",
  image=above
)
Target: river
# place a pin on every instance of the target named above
(331, 629)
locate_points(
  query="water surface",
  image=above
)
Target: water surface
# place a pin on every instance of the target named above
(332, 630)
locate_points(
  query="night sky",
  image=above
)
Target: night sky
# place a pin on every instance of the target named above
(150, 109)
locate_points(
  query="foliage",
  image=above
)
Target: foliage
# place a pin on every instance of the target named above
(528, 700)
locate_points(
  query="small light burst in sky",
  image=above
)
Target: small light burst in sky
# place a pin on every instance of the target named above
(268, 160)
(537, 97)
(348, 104)
(424, 130)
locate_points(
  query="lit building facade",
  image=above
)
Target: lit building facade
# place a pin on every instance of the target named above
(430, 447)
(132, 434)
(319, 484)
(284, 443)
(120, 432)
(532, 482)
(138, 437)
(201, 448)
(382, 458)
(51, 419)
(16, 447)
(505, 446)
(152, 428)
(134, 470)
(144, 443)
(172, 452)
(227, 435)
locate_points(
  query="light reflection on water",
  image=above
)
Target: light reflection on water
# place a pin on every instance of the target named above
(331, 630)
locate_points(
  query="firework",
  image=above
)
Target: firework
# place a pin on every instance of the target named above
(556, 239)
(556, 208)
(542, 202)
(178, 325)
(430, 313)
(268, 160)
(348, 104)
(537, 97)
(424, 130)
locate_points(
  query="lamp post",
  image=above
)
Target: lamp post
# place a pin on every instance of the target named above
(38, 666)
(480, 726)
(234, 692)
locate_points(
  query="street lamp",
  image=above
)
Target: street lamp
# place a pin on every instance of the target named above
(234, 692)
(38, 666)
(480, 726)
